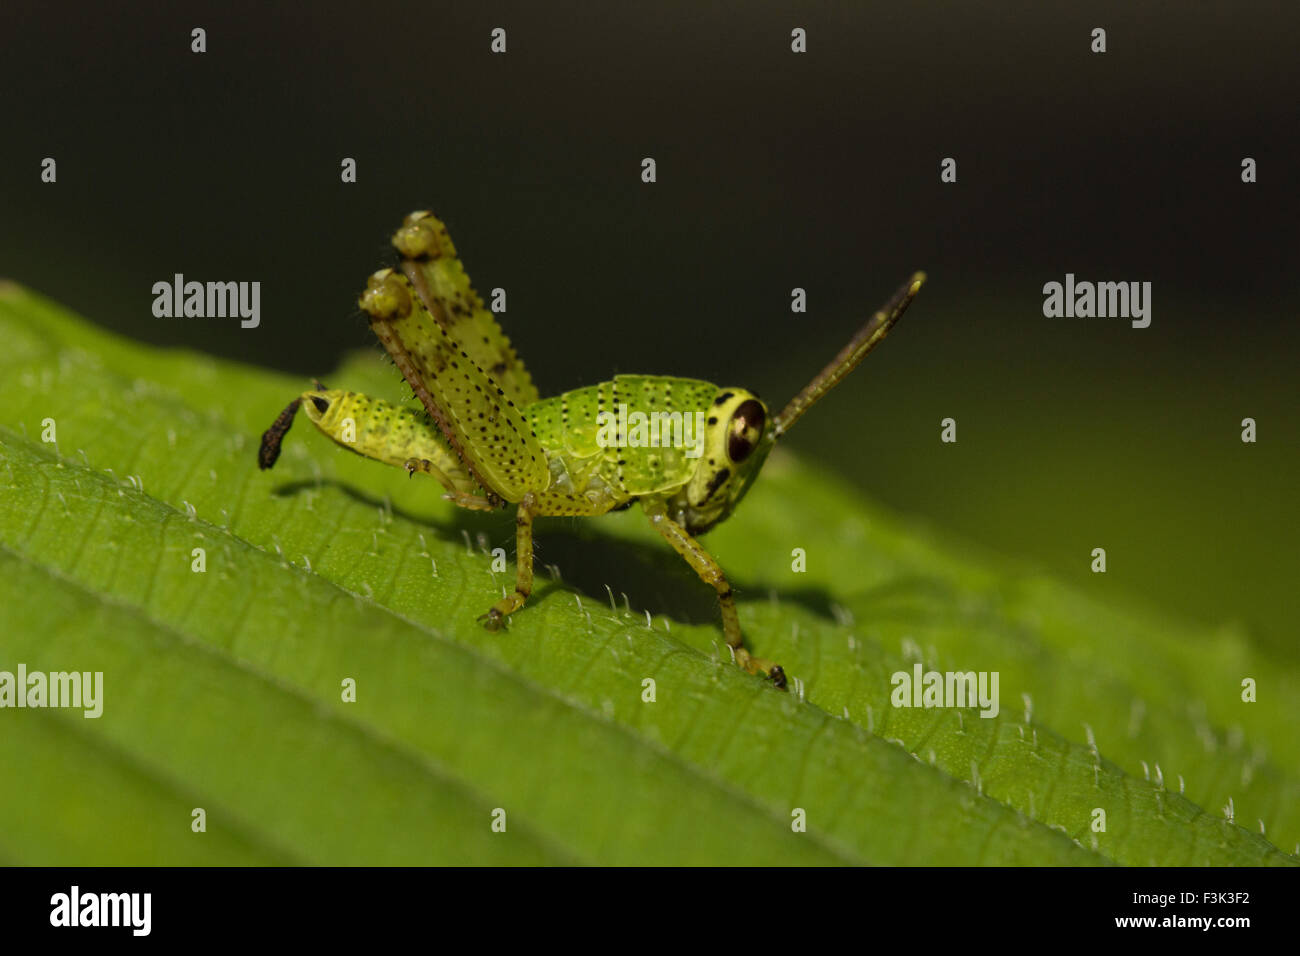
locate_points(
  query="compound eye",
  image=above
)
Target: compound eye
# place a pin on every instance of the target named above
(745, 430)
(321, 404)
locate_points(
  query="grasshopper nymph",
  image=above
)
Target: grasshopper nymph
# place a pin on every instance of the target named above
(491, 441)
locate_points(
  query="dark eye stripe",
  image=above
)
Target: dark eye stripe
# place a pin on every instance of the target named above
(321, 404)
(716, 482)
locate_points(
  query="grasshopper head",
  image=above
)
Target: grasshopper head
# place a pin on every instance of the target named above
(740, 432)
(738, 435)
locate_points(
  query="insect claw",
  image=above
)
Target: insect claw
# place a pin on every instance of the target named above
(757, 665)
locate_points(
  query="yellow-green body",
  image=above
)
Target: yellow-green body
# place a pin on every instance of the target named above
(685, 449)
(658, 460)
(567, 426)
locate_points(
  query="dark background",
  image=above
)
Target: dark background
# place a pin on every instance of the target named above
(775, 170)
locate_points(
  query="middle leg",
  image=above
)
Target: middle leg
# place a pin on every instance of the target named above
(533, 505)
(711, 573)
(523, 565)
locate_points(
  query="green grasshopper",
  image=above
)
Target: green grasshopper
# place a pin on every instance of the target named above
(491, 441)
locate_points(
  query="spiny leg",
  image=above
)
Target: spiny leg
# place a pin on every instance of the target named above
(551, 502)
(523, 565)
(711, 573)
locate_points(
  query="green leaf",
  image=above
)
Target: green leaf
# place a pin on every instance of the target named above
(223, 688)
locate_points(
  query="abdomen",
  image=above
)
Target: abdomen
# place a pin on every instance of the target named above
(665, 413)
